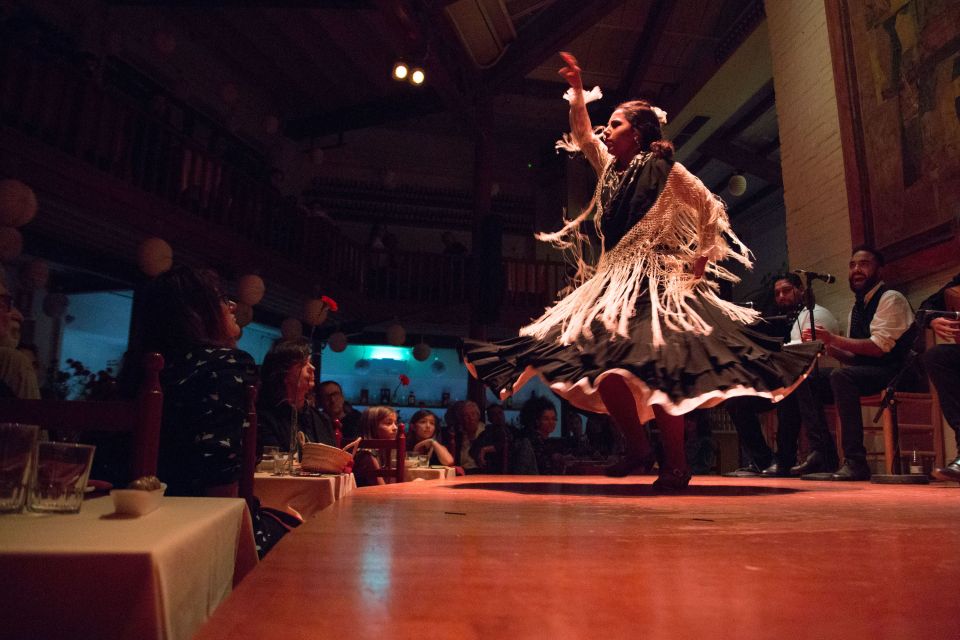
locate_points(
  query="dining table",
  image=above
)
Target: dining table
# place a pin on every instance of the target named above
(434, 472)
(99, 574)
(302, 495)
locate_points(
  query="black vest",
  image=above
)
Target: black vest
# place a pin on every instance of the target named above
(896, 356)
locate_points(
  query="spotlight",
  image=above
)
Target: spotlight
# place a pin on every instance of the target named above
(417, 77)
(400, 70)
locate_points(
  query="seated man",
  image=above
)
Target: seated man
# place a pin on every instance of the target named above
(330, 398)
(18, 378)
(788, 291)
(942, 364)
(880, 334)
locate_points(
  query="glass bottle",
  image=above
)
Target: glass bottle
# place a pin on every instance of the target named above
(916, 466)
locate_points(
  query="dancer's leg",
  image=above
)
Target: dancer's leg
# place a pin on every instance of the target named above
(674, 472)
(622, 407)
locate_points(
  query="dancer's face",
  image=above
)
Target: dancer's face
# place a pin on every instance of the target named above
(620, 137)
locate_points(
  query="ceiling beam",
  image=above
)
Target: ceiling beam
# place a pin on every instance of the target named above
(654, 28)
(394, 108)
(547, 33)
(742, 159)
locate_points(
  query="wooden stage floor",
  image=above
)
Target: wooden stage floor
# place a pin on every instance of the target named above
(591, 557)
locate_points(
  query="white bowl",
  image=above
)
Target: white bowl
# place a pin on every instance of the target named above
(135, 502)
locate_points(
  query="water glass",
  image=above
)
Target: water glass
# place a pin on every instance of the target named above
(17, 444)
(268, 458)
(60, 479)
(281, 463)
(423, 460)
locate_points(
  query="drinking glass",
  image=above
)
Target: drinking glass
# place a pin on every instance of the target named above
(60, 476)
(17, 444)
(423, 460)
(268, 459)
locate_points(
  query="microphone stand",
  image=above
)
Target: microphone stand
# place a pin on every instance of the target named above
(809, 302)
(889, 402)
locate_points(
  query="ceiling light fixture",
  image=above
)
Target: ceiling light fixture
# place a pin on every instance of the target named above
(400, 70)
(417, 77)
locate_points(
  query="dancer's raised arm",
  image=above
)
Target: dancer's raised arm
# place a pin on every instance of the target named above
(580, 128)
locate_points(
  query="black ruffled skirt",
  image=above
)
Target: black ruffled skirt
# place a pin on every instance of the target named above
(690, 371)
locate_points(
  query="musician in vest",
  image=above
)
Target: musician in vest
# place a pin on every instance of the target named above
(879, 336)
(942, 364)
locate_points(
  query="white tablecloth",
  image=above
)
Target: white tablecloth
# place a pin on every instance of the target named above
(99, 575)
(430, 473)
(302, 496)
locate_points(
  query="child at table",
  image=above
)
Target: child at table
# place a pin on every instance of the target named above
(422, 439)
(377, 423)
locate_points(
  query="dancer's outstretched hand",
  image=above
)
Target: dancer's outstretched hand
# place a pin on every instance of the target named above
(571, 72)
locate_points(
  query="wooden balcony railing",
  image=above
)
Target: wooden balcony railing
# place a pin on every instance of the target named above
(205, 172)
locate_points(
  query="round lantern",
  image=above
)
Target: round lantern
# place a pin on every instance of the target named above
(243, 314)
(396, 334)
(55, 305)
(250, 289)
(421, 351)
(155, 256)
(11, 244)
(291, 329)
(337, 341)
(737, 185)
(34, 274)
(18, 203)
(271, 124)
(314, 312)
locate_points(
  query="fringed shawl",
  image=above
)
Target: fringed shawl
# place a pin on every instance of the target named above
(654, 258)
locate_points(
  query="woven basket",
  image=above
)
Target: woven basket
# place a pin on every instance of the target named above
(324, 458)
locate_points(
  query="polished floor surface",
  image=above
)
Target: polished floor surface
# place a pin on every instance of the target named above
(591, 557)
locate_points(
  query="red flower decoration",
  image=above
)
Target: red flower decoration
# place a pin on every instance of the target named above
(404, 380)
(330, 302)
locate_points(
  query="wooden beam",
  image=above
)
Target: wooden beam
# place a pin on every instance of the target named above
(742, 159)
(360, 116)
(654, 27)
(546, 33)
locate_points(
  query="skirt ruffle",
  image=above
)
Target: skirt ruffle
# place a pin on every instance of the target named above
(690, 371)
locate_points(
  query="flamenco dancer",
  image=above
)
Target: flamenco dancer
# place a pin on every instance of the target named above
(643, 334)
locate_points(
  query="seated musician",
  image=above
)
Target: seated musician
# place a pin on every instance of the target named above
(942, 364)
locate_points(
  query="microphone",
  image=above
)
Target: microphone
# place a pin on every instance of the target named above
(924, 316)
(813, 275)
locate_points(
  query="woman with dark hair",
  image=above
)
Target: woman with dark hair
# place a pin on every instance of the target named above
(422, 438)
(183, 315)
(641, 333)
(530, 454)
(287, 375)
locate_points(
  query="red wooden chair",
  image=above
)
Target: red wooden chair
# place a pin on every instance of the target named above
(384, 446)
(248, 464)
(141, 416)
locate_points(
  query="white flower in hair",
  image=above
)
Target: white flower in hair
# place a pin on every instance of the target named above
(661, 115)
(588, 96)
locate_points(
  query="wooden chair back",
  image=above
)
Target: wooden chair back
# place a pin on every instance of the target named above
(384, 446)
(248, 465)
(141, 417)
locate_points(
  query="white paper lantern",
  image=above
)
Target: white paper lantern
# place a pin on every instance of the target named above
(11, 244)
(396, 334)
(421, 351)
(34, 274)
(155, 256)
(737, 185)
(337, 341)
(271, 124)
(291, 329)
(314, 312)
(55, 305)
(250, 289)
(243, 314)
(18, 203)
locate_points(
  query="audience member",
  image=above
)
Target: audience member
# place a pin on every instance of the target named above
(377, 422)
(18, 378)
(788, 291)
(286, 376)
(942, 364)
(184, 317)
(491, 444)
(880, 334)
(470, 427)
(422, 438)
(335, 407)
(531, 453)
